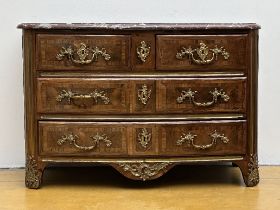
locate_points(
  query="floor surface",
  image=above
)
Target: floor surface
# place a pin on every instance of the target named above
(102, 188)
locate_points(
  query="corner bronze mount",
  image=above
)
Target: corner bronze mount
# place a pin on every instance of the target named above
(253, 171)
(202, 54)
(32, 174)
(84, 54)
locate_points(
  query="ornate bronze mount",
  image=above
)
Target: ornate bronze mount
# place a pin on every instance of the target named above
(144, 94)
(144, 170)
(189, 140)
(81, 99)
(215, 94)
(202, 54)
(72, 140)
(253, 171)
(84, 54)
(143, 51)
(144, 137)
(32, 174)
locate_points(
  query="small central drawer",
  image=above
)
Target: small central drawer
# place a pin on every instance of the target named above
(83, 52)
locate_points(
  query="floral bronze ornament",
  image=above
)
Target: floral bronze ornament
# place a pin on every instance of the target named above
(72, 140)
(144, 137)
(189, 140)
(72, 97)
(144, 94)
(83, 55)
(202, 56)
(32, 174)
(143, 51)
(216, 94)
(144, 170)
(253, 171)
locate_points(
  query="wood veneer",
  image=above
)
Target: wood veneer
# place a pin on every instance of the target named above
(104, 99)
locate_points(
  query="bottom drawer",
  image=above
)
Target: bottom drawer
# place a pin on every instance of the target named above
(103, 139)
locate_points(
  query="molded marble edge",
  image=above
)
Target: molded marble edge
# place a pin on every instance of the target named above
(139, 26)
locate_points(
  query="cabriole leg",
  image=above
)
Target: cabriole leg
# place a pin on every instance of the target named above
(250, 170)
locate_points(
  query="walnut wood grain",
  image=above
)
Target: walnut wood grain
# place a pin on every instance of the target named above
(125, 138)
(137, 64)
(122, 95)
(144, 131)
(236, 133)
(50, 133)
(50, 89)
(170, 90)
(117, 46)
(169, 45)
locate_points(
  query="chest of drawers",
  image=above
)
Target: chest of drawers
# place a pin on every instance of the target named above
(141, 98)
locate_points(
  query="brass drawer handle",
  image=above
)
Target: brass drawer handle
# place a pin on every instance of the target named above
(144, 94)
(83, 55)
(144, 137)
(71, 97)
(189, 140)
(143, 51)
(202, 54)
(72, 140)
(216, 94)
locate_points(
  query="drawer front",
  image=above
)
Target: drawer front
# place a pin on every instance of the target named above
(202, 138)
(124, 96)
(201, 95)
(83, 52)
(181, 138)
(82, 96)
(95, 96)
(65, 138)
(201, 52)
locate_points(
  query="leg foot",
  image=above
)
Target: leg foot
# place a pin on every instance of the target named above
(33, 173)
(250, 170)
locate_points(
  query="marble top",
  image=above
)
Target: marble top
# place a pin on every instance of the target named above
(139, 26)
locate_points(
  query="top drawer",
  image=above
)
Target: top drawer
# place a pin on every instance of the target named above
(82, 52)
(201, 52)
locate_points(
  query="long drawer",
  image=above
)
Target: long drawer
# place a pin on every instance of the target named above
(183, 138)
(138, 96)
(141, 52)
